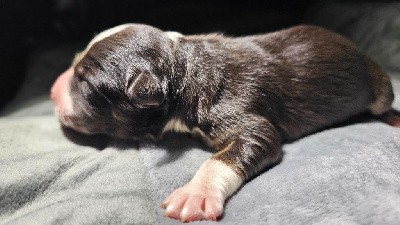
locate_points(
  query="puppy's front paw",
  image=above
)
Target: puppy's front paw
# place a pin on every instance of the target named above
(204, 196)
(194, 202)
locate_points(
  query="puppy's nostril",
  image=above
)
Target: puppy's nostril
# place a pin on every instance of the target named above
(52, 96)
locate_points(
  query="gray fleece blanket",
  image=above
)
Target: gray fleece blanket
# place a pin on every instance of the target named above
(344, 175)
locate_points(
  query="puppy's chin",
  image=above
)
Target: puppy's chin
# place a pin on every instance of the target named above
(98, 141)
(67, 121)
(77, 128)
(124, 135)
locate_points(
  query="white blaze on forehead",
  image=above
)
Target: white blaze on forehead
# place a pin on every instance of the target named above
(97, 38)
(108, 33)
(174, 36)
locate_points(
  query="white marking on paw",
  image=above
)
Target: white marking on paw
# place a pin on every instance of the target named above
(204, 196)
(220, 174)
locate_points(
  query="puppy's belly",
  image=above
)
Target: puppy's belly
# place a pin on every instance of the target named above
(176, 125)
(323, 106)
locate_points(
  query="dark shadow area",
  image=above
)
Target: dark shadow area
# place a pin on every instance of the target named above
(176, 144)
(368, 117)
(364, 117)
(99, 141)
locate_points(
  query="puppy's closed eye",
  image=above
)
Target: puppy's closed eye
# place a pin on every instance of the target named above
(82, 83)
(145, 90)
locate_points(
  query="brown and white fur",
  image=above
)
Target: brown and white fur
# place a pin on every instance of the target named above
(243, 96)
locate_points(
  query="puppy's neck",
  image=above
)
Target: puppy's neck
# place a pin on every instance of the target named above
(197, 77)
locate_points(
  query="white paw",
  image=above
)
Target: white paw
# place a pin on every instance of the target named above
(194, 202)
(204, 196)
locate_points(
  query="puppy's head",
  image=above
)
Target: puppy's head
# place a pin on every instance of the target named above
(119, 84)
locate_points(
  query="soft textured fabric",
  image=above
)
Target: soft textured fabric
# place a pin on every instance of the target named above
(344, 175)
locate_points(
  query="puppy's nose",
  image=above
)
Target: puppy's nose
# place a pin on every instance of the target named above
(60, 85)
(52, 95)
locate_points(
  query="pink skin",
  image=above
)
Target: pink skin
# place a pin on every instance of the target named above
(193, 202)
(204, 196)
(62, 100)
(59, 87)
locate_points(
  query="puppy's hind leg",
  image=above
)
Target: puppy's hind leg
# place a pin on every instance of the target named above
(381, 87)
(383, 95)
(392, 118)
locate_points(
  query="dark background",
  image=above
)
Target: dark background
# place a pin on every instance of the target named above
(27, 24)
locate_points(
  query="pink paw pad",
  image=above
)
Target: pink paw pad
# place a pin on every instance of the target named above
(192, 203)
(204, 196)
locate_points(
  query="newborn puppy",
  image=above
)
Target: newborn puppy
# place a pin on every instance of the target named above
(243, 96)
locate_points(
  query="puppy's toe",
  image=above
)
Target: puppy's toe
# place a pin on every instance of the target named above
(193, 209)
(193, 203)
(213, 208)
(204, 196)
(174, 205)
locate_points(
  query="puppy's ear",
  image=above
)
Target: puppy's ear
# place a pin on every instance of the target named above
(145, 91)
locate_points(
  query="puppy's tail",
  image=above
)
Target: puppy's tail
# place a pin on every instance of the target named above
(392, 117)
